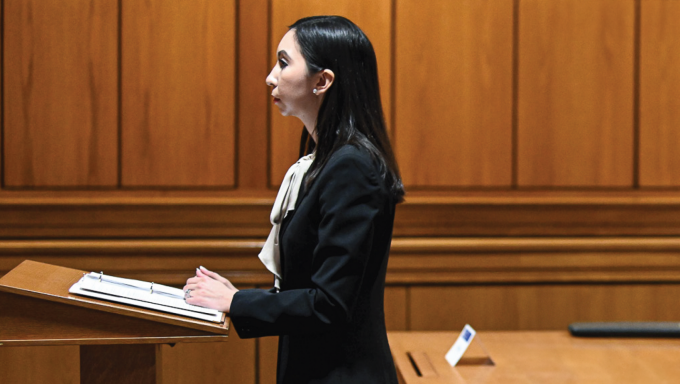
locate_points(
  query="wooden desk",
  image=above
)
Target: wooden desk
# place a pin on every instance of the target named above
(541, 357)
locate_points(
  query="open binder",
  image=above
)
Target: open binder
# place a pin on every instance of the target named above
(142, 294)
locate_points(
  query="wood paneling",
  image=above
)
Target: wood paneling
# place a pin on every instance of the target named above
(396, 310)
(135, 218)
(373, 17)
(575, 107)
(230, 362)
(659, 93)
(413, 261)
(60, 93)
(165, 262)
(539, 307)
(454, 92)
(471, 214)
(541, 214)
(178, 84)
(254, 96)
(39, 365)
(268, 354)
(533, 260)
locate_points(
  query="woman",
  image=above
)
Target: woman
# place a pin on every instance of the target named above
(331, 237)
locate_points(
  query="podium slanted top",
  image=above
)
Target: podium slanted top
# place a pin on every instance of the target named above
(36, 308)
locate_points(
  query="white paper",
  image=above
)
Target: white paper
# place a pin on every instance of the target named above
(138, 293)
(460, 346)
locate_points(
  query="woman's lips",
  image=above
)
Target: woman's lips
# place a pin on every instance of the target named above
(276, 100)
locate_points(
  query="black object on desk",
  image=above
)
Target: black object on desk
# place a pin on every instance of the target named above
(626, 329)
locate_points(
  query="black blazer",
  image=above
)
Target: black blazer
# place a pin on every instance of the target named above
(334, 249)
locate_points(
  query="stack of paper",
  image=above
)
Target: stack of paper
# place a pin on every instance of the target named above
(142, 294)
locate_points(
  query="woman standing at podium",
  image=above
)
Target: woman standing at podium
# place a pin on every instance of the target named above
(332, 219)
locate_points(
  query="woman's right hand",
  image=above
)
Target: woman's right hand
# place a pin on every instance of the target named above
(209, 289)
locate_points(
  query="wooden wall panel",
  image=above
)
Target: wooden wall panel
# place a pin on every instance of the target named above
(454, 92)
(254, 95)
(660, 93)
(373, 17)
(178, 83)
(60, 93)
(539, 307)
(229, 362)
(268, 352)
(575, 107)
(396, 310)
(39, 365)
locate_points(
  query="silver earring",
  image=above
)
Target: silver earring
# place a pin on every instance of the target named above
(314, 91)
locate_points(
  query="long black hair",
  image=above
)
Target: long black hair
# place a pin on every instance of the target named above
(351, 111)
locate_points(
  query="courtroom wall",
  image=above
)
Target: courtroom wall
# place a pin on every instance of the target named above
(539, 143)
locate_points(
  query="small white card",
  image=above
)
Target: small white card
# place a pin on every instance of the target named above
(460, 346)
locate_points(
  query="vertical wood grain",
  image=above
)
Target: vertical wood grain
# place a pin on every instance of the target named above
(268, 353)
(253, 67)
(660, 93)
(373, 17)
(178, 81)
(575, 107)
(539, 307)
(39, 365)
(229, 362)
(395, 308)
(454, 92)
(119, 364)
(60, 93)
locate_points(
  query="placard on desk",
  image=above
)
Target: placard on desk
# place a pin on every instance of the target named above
(37, 309)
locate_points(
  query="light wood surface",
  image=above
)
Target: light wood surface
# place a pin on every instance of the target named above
(178, 84)
(373, 17)
(453, 102)
(575, 97)
(60, 93)
(542, 357)
(659, 93)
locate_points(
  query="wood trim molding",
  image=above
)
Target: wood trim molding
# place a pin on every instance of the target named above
(413, 261)
(526, 214)
(423, 215)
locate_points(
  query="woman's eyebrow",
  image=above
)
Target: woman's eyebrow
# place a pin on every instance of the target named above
(283, 53)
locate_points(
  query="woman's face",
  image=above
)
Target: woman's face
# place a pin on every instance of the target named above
(292, 85)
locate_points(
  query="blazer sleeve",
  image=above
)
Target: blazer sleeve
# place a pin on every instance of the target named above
(350, 199)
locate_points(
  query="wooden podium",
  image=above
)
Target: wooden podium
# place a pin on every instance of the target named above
(118, 343)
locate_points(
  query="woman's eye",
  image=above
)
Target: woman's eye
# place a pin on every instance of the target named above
(282, 63)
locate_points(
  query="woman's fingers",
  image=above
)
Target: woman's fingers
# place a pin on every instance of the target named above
(209, 289)
(203, 270)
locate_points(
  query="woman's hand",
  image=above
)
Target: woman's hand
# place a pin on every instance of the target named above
(209, 289)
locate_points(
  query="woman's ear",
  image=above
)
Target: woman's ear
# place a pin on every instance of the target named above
(326, 78)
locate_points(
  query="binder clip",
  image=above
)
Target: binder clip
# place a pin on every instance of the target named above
(151, 290)
(100, 276)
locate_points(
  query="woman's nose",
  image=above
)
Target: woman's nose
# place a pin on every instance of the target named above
(271, 79)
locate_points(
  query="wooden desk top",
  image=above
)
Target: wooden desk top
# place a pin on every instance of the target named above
(541, 357)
